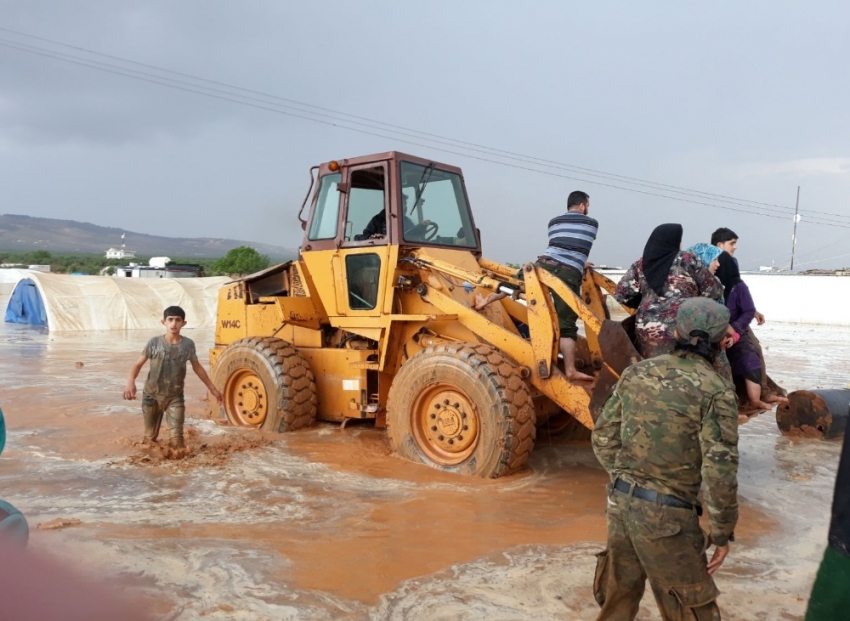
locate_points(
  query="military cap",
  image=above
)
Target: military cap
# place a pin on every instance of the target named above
(701, 315)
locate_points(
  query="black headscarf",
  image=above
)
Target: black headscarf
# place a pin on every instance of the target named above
(659, 253)
(728, 273)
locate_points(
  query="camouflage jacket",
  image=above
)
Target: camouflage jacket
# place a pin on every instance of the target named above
(656, 315)
(671, 424)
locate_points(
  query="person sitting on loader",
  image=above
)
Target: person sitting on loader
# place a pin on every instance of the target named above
(377, 225)
(657, 284)
(708, 254)
(727, 241)
(745, 361)
(571, 237)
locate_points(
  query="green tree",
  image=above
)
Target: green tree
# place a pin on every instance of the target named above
(241, 260)
(40, 256)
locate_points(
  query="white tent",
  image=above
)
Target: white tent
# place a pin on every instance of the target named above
(78, 303)
(9, 278)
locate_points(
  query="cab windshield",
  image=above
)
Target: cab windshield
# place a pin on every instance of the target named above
(434, 207)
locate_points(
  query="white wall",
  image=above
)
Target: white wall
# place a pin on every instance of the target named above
(793, 298)
(801, 299)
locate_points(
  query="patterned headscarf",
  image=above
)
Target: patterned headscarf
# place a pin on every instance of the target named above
(706, 252)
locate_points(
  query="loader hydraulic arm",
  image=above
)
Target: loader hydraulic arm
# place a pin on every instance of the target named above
(610, 349)
(477, 279)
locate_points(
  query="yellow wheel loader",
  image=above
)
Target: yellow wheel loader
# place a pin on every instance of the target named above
(374, 320)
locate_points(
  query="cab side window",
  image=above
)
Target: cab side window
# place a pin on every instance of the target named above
(326, 214)
(363, 272)
(367, 216)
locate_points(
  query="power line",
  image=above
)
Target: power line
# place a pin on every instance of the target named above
(329, 119)
(847, 254)
(89, 62)
(420, 134)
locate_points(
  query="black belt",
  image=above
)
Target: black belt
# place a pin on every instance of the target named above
(653, 496)
(550, 261)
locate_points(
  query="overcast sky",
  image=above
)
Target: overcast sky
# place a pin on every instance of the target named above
(744, 100)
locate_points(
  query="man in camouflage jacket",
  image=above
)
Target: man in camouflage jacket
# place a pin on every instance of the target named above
(670, 425)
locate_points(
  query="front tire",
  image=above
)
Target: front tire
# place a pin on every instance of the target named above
(464, 408)
(266, 384)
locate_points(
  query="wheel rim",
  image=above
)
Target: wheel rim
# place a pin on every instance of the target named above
(246, 399)
(445, 424)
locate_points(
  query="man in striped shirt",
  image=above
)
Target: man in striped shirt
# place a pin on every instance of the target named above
(571, 236)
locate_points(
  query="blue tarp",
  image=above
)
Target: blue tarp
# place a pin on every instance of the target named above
(26, 305)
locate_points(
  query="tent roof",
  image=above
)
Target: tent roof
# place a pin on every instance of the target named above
(79, 303)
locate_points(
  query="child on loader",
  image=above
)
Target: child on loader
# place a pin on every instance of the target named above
(163, 390)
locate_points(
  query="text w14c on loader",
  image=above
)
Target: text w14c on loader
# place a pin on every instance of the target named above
(374, 321)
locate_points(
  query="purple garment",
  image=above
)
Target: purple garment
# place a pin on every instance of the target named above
(742, 356)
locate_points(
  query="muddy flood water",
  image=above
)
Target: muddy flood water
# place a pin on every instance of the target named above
(327, 524)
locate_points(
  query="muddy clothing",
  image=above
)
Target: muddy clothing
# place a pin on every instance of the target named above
(656, 314)
(167, 373)
(665, 544)
(830, 596)
(670, 424)
(163, 392)
(174, 411)
(571, 277)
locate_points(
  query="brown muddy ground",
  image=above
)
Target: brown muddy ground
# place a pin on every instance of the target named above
(327, 524)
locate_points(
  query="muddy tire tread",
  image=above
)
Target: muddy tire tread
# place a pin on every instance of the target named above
(515, 409)
(300, 402)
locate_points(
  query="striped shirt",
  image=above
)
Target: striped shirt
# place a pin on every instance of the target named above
(571, 237)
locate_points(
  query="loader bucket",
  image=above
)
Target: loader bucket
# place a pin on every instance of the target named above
(618, 352)
(814, 413)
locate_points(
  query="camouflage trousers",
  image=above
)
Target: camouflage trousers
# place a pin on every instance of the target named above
(664, 544)
(174, 410)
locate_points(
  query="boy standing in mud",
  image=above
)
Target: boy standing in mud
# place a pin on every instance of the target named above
(163, 391)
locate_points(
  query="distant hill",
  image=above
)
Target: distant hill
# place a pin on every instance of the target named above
(27, 234)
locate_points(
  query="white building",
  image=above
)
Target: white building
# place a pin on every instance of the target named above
(120, 253)
(159, 267)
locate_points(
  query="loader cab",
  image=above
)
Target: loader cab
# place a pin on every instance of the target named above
(365, 211)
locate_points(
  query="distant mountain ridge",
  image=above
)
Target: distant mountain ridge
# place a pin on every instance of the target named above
(28, 234)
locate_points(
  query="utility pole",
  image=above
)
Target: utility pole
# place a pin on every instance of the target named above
(794, 235)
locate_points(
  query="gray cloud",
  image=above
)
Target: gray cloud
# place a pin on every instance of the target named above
(687, 96)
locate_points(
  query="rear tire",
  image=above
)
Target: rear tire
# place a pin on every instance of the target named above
(464, 408)
(266, 384)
